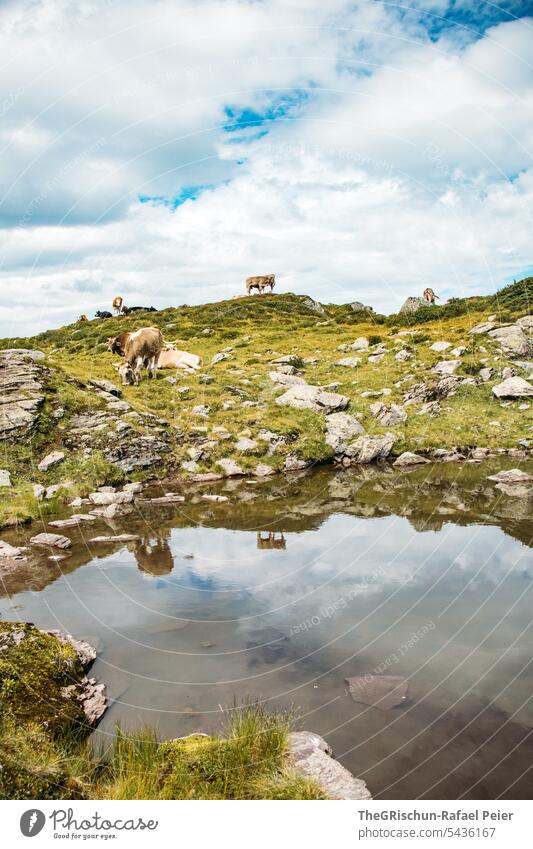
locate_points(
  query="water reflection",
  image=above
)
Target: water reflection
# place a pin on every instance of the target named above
(153, 553)
(272, 540)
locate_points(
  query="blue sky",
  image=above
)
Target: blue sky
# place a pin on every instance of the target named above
(361, 150)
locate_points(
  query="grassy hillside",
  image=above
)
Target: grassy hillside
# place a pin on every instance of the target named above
(252, 332)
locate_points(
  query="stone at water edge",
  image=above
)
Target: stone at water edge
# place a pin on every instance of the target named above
(366, 449)
(511, 476)
(382, 691)
(245, 445)
(310, 756)
(50, 460)
(263, 470)
(513, 387)
(340, 429)
(54, 540)
(408, 458)
(5, 478)
(230, 467)
(116, 538)
(7, 550)
(103, 499)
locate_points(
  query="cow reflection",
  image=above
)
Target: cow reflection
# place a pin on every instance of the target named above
(274, 539)
(153, 553)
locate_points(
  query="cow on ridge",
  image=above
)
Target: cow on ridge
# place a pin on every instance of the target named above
(260, 283)
(429, 296)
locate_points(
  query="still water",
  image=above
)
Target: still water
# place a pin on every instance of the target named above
(294, 585)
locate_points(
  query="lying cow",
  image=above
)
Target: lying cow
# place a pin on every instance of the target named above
(172, 358)
(83, 317)
(260, 283)
(127, 310)
(103, 314)
(140, 349)
(429, 296)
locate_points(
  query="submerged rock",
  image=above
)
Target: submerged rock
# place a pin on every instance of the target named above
(310, 756)
(409, 459)
(53, 540)
(511, 476)
(381, 691)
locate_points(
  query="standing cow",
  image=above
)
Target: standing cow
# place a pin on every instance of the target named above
(429, 296)
(139, 349)
(260, 283)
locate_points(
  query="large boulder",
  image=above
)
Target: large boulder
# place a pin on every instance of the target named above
(307, 397)
(21, 379)
(348, 362)
(388, 416)
(357, 306)
(513, 387)
(512, 339)
(310, 756)
(447, 367)
(409, 459)
(340, 429)
(526, 323)
(481, 328)
(286, 379)
(366, 449)
(412, 304)
(50, 460)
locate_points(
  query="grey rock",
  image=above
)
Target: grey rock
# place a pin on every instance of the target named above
(526, 323)
(218, 358)
(375, 358)
(190, 466)
(85, 651)
(215, 498)
(103, 499)
(263, 470)
(357, 306)
(75, 519)
(485, 374)
(380, 691)
(230, 467)
(200, 410)
(294, 463)
(314, 306)
(447, 367)
(106, 386)
(39, 491)
(348, 362)
(310, 756)
(312, 398)
(21, 380)
(412, 304)
(50, 460)
(409, 459)
(288, 369)
(366, 449)
(440, 346)
(206, 477)
(287, 359)
(26, 353)
(403, 355)
(245, 445)
(511, 476)
(11, 551)
(134, 487)
(484, 327)
(53, 540)
(388, 416)
(513, 387)
(360, 344)
(286, 379)
(5, 478)
(340, 429)
(431, 408)
(115, 538)
(512, 339)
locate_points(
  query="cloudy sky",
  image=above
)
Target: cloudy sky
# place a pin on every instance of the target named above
(164, 150)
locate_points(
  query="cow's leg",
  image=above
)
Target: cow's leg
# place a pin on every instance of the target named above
(139, 362)
(152, 367)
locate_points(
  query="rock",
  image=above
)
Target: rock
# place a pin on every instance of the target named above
(431, 408)
(381, 691)
(72, 520)
(190, 466)
(412, 304)
(51, 460)
(230, 467)
(287, 359)
(360, 344)
(340, 429)
(446, 456)
(286, 379)
(312, 398)
(218, 358)
(216, 498)
(294, 463)
(93, 700)
(206, 477)
(200, 410)
(5, 478)
(409, 459)
(39, 491)
(12, 551)
(134, 487)
(287, 369)
(484, 327)
(440, 346)
(459, 351)
(512, 339)
(388, 416)
(168, 498)
(53, 540)
(485, 374)
(115, 538)
(103, 499)
(513, 387)
(447, 367)
(310, 756)
(369, 448)
(245, 445)
(508, 372)
(21, 379)
(526, 323)
(375, 358)
(511, 476)
(314, 306)
(348, 362)
(86, 653)
(357, 306)
(262, 470)
(106, 386)
(403, 355)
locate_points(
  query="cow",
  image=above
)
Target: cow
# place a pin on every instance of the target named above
(429, 296)
(172, 358)
(260, 283)
(127, 310)
(103, 314)
(83, 317)
(140, 349)
(117, 304)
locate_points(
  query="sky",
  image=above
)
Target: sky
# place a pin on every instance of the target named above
(164, 151)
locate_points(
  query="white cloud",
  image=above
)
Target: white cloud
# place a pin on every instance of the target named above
(399, 162)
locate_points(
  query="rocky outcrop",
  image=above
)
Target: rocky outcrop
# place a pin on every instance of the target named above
(388, 416)
(512, 339)
(513, 387)
(367, 449)
(412, 304)
(21, 378)
(341, 428)
(310, 756)
(308, 397)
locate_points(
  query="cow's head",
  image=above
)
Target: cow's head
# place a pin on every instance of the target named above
(127, 375)
(113, 345)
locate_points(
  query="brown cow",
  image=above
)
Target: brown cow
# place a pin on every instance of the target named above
(117, 304)
(83, 317)
(260, 283)
(140, 349)
(429, 296)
